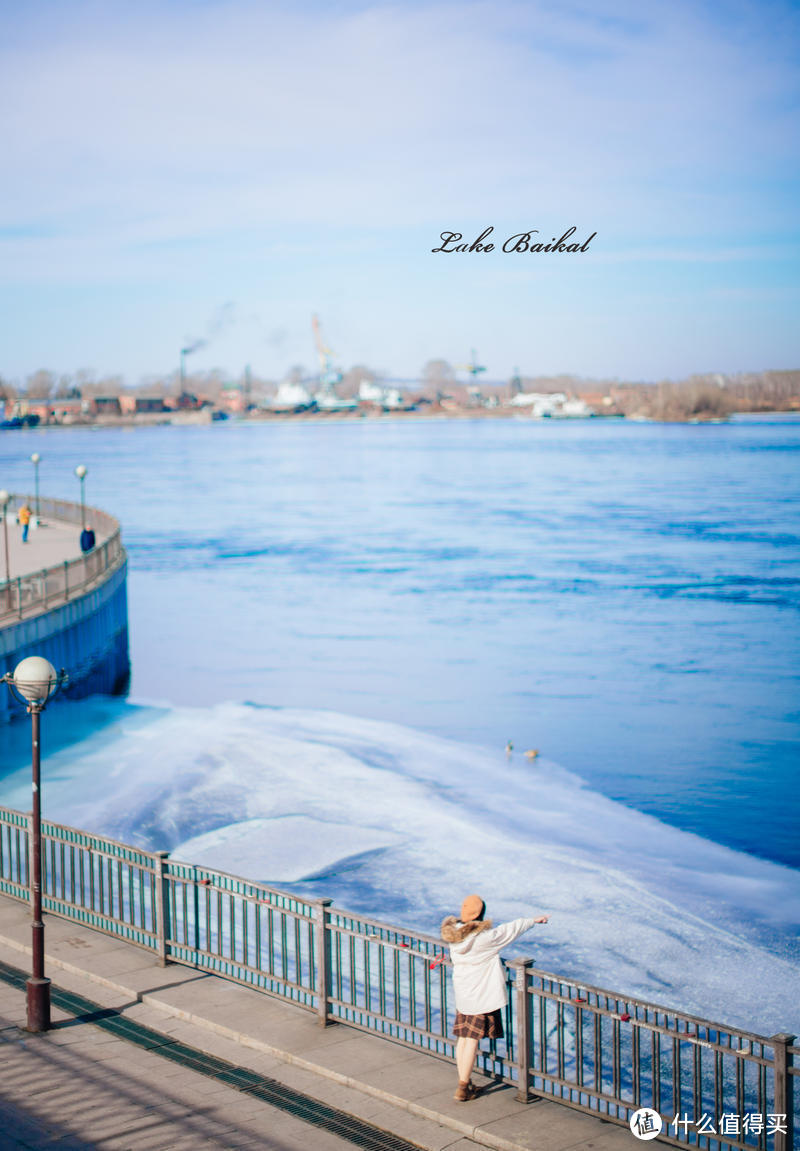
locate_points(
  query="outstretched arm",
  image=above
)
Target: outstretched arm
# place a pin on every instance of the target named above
(507, 932)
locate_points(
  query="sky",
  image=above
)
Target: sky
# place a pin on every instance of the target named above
(219, 170)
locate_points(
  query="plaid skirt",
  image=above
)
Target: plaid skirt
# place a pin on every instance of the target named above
(486, 1026)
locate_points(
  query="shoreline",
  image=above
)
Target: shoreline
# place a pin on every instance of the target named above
(204, 418)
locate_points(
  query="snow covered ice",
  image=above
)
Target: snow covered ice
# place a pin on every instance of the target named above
(399, 824)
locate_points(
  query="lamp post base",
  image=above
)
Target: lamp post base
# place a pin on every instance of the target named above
(38, 993)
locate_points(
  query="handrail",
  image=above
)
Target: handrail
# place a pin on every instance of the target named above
(39, 591)
(586, 1047)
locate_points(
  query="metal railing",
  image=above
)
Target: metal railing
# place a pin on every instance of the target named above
(611, 1055)
(40, 591)
(582, 1046)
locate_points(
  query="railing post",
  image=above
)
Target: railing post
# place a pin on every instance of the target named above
(523, 1014)
(784, 1088)
(28, 854)
(196, 916)
(162, 907)
(66, 580)
(44, 587)
(19, 596)
(323, 960)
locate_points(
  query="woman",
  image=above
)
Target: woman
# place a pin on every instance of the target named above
(479, 981)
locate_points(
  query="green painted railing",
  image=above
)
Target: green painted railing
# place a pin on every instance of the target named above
(714, 1087)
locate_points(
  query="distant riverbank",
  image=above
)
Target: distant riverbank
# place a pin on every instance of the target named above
(207, 416)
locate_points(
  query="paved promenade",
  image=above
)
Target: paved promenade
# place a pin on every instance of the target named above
(49, 544)
(124, 1067)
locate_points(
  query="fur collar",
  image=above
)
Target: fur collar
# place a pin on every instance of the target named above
(454, 931)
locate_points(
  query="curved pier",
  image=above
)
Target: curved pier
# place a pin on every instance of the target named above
(68, 607)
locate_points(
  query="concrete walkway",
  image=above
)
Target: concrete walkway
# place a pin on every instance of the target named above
(49, 544)
(388, 1085)
(78, 1088)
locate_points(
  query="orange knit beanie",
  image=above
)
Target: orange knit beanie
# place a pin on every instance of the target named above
(472, 908)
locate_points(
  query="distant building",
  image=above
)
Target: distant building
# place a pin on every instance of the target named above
(149, 404)
(58, 411)
(370, 392)
(106, 406)
(65, 411)
(573, 409)
(291, 398)
(541, 404)
(232, 399)
(187, 402)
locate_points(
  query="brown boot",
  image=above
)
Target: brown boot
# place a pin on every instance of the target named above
(465, 1091)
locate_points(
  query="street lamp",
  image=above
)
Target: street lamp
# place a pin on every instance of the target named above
(80, 472)
(4, 499)
(34, 681)
(35, 461)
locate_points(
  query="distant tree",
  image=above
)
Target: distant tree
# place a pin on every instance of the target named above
(40, 385)
(164, 385)
(67, 389)
(209, 384)
(8, 392)
(110, 385)
(353, 378)
(84, 378)
(438, 374)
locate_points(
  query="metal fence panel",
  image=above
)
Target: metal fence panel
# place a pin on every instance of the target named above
(580, 1045)
(610, 1055)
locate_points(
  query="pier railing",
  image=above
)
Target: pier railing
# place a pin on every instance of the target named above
(714, 1087)
(39, 591)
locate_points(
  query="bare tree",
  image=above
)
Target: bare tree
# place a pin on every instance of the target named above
(438, 375)
(66, 389)
(8, 392)
(40, 385)
(296, 374)
(353, 378)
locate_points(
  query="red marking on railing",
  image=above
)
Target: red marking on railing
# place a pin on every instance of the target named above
(625, 1017)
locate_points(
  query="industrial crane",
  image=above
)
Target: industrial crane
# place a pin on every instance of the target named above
(329, 375)
(474, 368)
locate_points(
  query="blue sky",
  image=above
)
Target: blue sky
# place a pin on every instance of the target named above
(220, 170)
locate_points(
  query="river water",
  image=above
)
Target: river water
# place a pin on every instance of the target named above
(337, 627)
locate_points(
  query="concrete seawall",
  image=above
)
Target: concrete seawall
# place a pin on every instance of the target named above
(84, 630)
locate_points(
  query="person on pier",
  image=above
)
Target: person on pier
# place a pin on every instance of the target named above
(24, 517)
(479, 981)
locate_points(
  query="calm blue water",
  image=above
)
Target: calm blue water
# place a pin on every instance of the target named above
(623, 597)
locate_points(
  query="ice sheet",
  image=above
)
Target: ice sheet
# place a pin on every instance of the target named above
(400, 824)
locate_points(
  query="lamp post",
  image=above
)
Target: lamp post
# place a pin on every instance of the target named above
(4, 499)
(35, 461)
(80, 472)
(34, 681)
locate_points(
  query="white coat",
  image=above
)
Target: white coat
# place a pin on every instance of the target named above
(478, 978)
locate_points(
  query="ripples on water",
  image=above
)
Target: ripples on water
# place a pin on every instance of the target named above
(623, 596)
